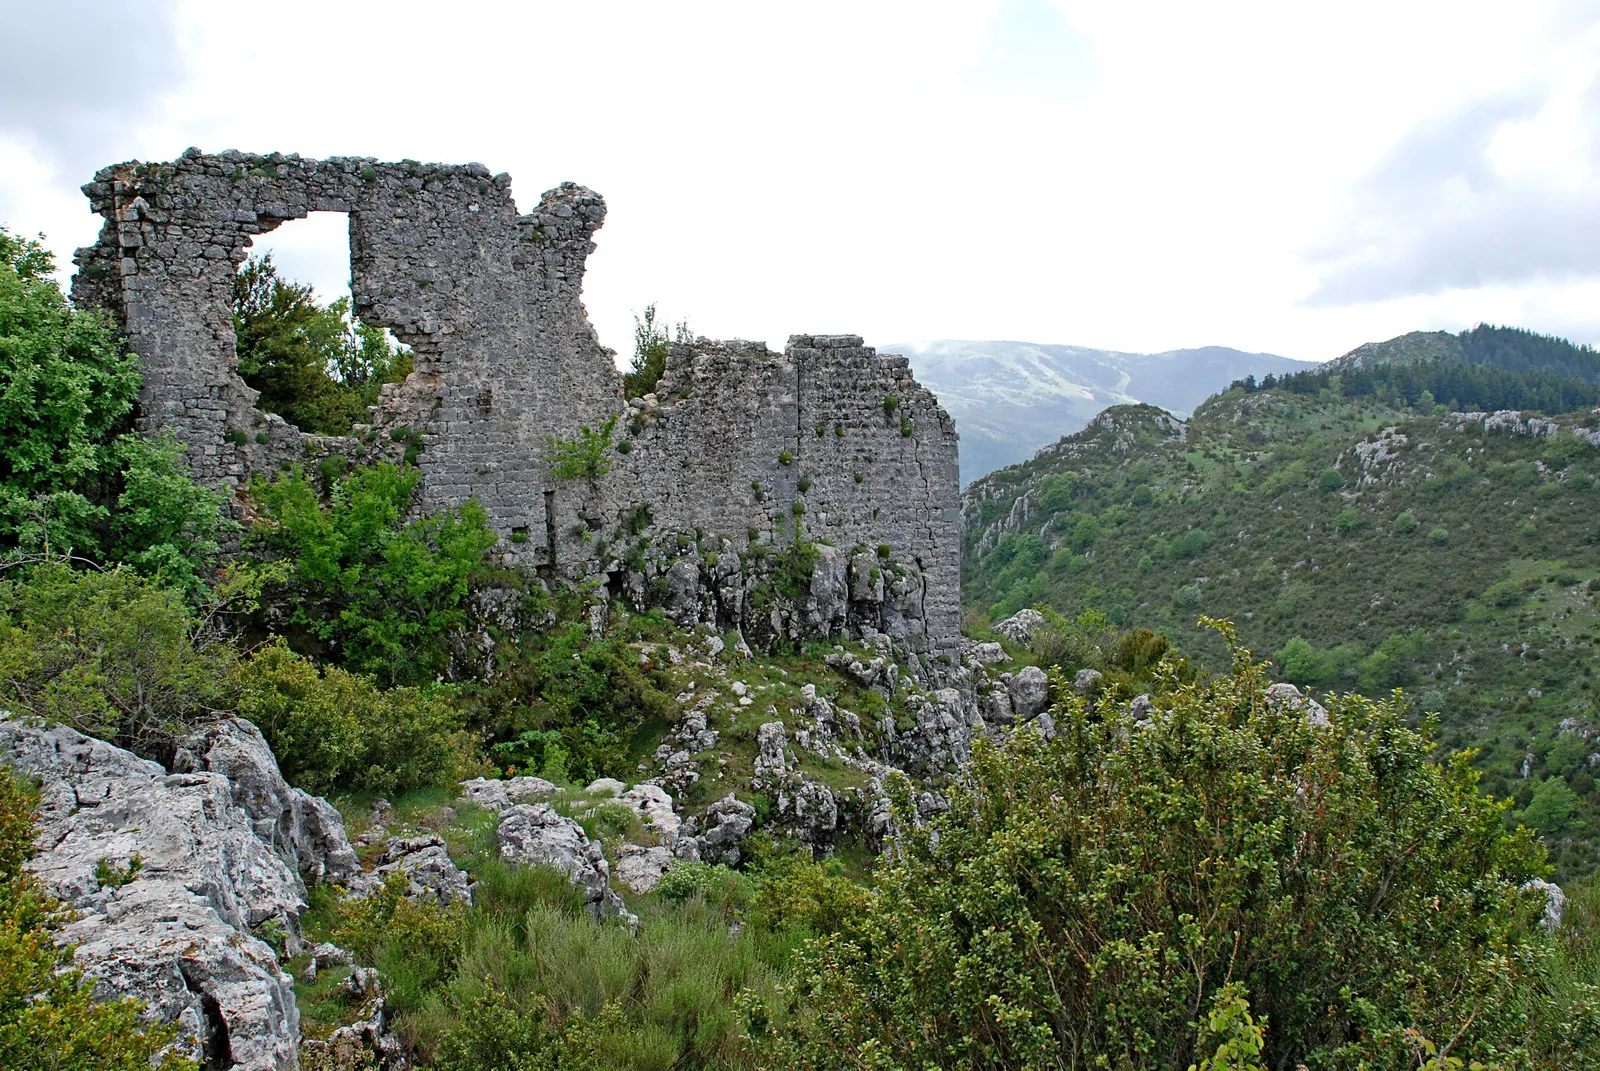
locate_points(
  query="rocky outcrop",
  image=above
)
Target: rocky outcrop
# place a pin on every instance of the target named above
(171, 884)
(305, 830)
(498, 795)
(1029, 689)
(535, 835)
(724, 827)
(431, 876)
(1020, 626)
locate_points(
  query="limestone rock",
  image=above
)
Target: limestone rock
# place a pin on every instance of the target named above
(534, 834)
(1315, 712)
(1030, 692)
(987, 654)
(498, 795)
(1020, 626)
(641, 868)
(1086, 681)
(306, 830)
(605, 786)
(727, 823)
(654, 807)
(427, 865)
(178, 934)
(1555, 902)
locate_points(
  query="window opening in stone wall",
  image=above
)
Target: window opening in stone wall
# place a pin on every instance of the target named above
(299, 342)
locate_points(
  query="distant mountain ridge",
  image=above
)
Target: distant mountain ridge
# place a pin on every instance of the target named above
(1010, 398)
(1512, 349)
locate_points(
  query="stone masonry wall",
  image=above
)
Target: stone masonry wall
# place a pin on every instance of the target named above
(740, 451)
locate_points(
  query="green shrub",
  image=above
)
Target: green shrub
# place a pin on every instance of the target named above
(1187, 596)
(49, 1017)
(1350, 520)
(1083, 897)
(1190, 544)
(111, 654)
(1330, 481)
(1405, 522)
(1439, 536)
(378, 592)
(337, 731)
(584, 456)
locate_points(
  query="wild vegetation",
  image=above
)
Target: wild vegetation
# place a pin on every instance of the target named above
(1217, 879)
(1358, 533)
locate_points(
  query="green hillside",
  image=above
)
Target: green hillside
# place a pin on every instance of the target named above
(1358, 532)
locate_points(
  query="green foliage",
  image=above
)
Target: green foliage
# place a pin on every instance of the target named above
(584, 456)
(314, 365)
(1330, 480)
(374, 590)
(1405, 522)
(334, 731)
(67, 383)
(111, 874)
(1082, 898)
(68, 480)
(111, 654)
(1190, 544)
(48, 1015)
(1439, 536)
(1553, 809)
(1240, 1039)
(563, 704)
(650, 346)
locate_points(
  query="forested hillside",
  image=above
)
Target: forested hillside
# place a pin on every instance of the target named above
(1364, 532)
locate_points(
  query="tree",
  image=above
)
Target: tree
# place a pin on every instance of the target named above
(650, 345)
(376, 588)
(1553, 808)
(48, 1015)
(313, 366)
(67, 384)
(1085, 900)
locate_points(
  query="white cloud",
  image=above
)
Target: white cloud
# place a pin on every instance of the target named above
(1131, 175)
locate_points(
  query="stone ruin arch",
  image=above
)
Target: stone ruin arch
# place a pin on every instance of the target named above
(741, 445)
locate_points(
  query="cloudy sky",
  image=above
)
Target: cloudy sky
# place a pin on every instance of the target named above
(1291, 178)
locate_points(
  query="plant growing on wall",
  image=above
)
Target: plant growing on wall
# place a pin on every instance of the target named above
(583, 456)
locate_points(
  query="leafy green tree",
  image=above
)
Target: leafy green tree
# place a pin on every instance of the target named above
(1301, 663)
(313, 366)
(1553, 809)
(1329, 481)
(1405, 522)
(67, 384)
(49, 1017)
(650, 345)
(374, 588)
(1085, 899)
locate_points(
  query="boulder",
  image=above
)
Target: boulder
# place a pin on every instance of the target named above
(305, 830)
(426, 864)
(606, 786)
(654, 807)
(1555, 902)
(535, 835)
(726, 824)
(498, 795)
(1029, 689)
(177, 933)
(1315, 712)
(641, 868)
(1020, 626)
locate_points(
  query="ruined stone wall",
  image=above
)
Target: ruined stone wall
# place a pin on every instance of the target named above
(741, 452)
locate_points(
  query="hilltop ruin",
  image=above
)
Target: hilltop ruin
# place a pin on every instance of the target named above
(711, 482)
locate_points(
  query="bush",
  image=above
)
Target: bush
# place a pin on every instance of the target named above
(1187, 597)
(1083, 898)
(584, 456)
(1439, 536)
(1405, 522)
(370, 588)
(111, 654)
(335, 731)
(1190, 544)
(1329, 481)
(49, 1016)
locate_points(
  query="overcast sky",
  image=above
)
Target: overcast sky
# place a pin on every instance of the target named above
(1291, 178)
